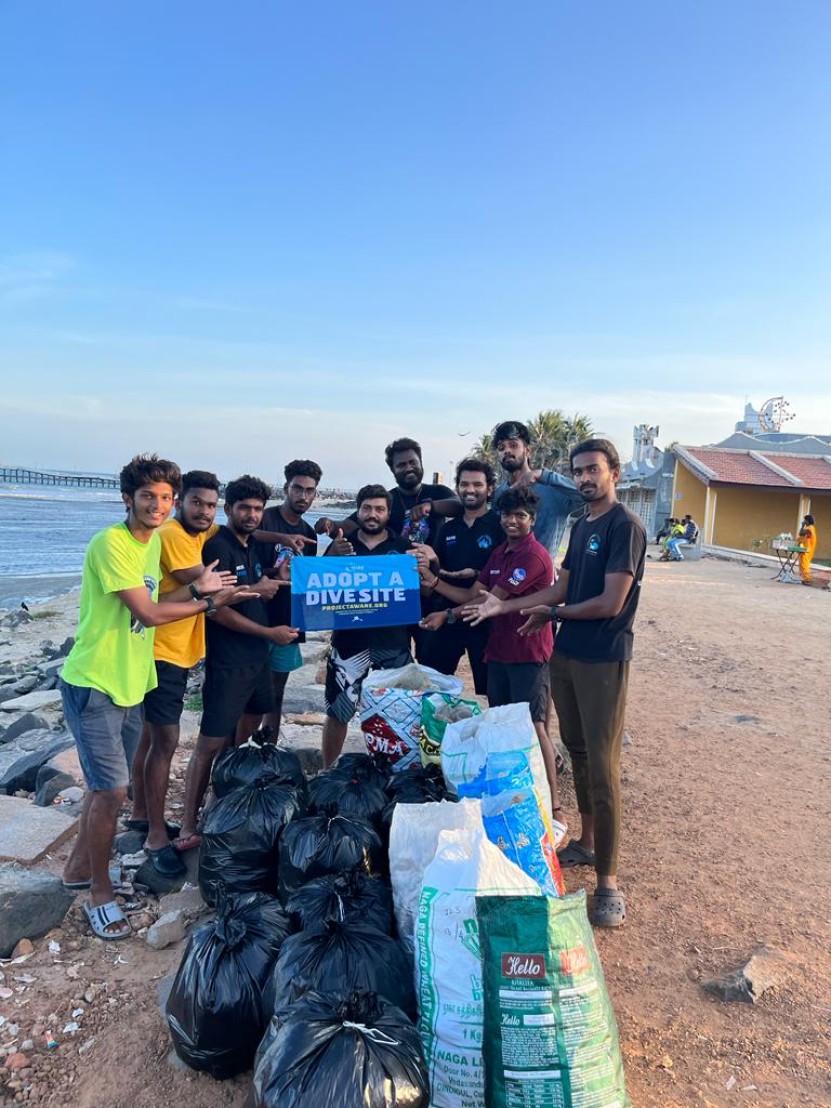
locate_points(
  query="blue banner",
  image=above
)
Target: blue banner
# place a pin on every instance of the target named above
(349, 594)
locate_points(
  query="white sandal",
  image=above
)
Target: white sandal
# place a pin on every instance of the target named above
(102, 916)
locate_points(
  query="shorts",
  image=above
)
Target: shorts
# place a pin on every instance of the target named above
(520, 683)
(228, 693)
(444, 649)
(164, 704)
(284, 658)
(345, 678)
(105, 734)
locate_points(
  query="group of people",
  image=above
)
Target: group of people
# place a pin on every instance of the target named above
(489, 590)
(674, 534)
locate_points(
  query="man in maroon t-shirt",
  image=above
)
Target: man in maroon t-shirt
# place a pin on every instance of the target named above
(517, 664)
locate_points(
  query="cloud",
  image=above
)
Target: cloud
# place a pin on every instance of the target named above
(30, 276)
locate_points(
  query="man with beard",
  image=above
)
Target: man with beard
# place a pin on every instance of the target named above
(354, 653)
(177, 647)
(557, 495)
(236, 670)
(461, 551)
(300, 488)
(416, 508)
(593, 603)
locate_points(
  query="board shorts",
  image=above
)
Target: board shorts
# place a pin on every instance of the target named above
(345, 677)
(164, 704)
(105, 734)
(284, 657)
(520, 683)
(231, 692)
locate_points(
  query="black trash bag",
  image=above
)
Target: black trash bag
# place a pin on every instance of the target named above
(317, 845)
(240, 837)
(353, 1052)
(215, 1010)
(341, 957)
(416, 786)
(362, 766)
(347, 897)
(339, 794)
(253, 764)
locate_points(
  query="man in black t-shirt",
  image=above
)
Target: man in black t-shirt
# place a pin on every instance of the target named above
(416, 509)
(302, 478)
(354, 653)
(236, 660)
(594, 604)
(463, 547)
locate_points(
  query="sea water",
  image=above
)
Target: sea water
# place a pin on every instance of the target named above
(44, 534)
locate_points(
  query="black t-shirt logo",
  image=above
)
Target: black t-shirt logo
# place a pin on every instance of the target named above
(593, 545)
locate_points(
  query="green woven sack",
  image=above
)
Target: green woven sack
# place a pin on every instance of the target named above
(550, 1035)
(437, 710)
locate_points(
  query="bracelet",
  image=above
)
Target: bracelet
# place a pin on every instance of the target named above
(432, 584)
(555, 613)
(194, 592)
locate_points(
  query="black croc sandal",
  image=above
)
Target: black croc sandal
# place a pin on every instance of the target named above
(609, 908)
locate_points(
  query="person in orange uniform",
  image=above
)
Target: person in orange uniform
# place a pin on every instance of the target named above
(808, 539)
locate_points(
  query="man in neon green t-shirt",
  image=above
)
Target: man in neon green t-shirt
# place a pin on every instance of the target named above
(110, 667)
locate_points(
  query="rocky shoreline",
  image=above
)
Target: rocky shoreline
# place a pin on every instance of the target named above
(41, 789)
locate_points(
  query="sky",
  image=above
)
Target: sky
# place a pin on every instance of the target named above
(239, 234)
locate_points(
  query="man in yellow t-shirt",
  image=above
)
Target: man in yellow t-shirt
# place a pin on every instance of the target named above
(177, 647)
(807, 539)
(110, 668)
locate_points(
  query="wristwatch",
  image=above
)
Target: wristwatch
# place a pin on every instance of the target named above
(451, 617)
(212, 608)
(555, 613)
(194, 592)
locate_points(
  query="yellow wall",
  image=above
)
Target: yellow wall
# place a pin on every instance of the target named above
(821, 511)
(744, 514)
(688, 495)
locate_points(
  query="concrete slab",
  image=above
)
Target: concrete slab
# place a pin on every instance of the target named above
(27, 832)
(32, 701)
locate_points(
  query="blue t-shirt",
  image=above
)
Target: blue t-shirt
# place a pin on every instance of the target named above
(558, 498)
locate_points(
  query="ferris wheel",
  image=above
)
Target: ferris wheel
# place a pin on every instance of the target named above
(774, 413)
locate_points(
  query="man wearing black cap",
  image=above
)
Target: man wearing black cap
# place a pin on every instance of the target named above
(557, 494)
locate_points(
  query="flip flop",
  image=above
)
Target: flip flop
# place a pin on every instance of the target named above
(189, 842)
(575, 855)
(77, 886)
(167, 861)
(560, 830)
(172, 829)
(608, 909)
(101, 916)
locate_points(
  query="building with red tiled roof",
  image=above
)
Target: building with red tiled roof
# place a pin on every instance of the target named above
(743, 498)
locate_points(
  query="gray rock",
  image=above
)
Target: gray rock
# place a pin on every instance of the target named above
(31, 701)
(129, 842)
(31, 903)
(188, 900)
(168, 929)
(53, 668)
(299, 699)
(27, 722)
(19, 687)
(66, 646)
(19, 765)
(48, 787)
(48, 684)
(149, 876)
(763, 971)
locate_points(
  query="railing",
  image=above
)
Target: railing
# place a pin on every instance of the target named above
(11, 475)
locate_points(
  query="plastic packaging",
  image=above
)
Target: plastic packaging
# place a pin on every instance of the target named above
(437, 711)
(339, 958)
(357, 1052)
(448, 967)
(316, 845)
(215, 1009)
(252, 764)
(347, 897)
(391, 711)
(240, 837)
(549, 1024)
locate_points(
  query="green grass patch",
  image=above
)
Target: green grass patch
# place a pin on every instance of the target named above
(45, 613)
(194, 703)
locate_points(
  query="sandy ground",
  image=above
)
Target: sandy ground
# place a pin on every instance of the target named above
(727, 813)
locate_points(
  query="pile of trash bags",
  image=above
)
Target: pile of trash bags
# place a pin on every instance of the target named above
(370, 922)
